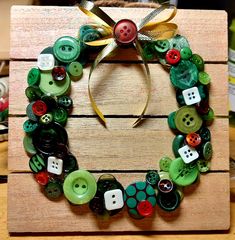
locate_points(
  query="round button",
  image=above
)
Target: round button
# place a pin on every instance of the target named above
(173, 56)
(30, 126)
(204, 78)
(183, 174)
(202, 107)
(198, 61)
(33, 77)
(180, 97)
(65, 101)
(205, 134)
(33, 93)
(152, 177)
(107, 182)
(66, 49)
(209, 116)
(193, 139)
(145, 208)
(165, 163)
(30, 113)
(168, 202)
(39, 108)
(70, 164)
(187, 120)
(28, 145)
(36, 163)
(53, 190)
(49, 86)
(60, 115)
(178, 42)
(42, 178)
(171, 120)
(97, 205)
(184, 75)
(185, 53)
(207, 150)
(165, 185)
(203, 165)
(177, 143)
(148, 51)
(58, 73)
(80, 187)
(162, 46)
(125, 31)
(75, 70)
(83, 29)
(46, 119)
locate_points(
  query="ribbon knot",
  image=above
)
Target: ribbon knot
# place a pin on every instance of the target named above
(126, 32)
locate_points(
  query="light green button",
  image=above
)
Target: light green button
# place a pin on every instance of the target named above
(204, 78)
(66, 49)
(75, 70)
(203, 165)
(165, 163)
(57, 88)
(207, 150)
(80, 187)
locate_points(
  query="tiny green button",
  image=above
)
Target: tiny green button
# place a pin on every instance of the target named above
(75, 70)
(148, 51)
(33, 93)
(30, 126)
(53, 190)
(162, 46)
(165, 163)
(204, 78)
(198, 61)
(33, 77)
(152, 177)
(203, 165)
(207, 150)
(46, 118)
(185, 53)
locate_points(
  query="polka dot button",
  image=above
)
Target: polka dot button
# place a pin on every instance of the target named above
(125, 31)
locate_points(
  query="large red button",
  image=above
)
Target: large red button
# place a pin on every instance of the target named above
(145, 208)
(39, 108)
(173, 56)
(125, 31)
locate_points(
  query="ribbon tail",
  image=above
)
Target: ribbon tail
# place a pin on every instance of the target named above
(100, 42)
(106, 51)
(140, 51)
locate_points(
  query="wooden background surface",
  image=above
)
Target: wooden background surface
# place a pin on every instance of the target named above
(119, 147)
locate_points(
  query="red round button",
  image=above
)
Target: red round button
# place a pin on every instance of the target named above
(58, 73)
(145, 208)
(173, 56)
(165, 185)
(42, 178)
(39, 108)
(125, 31)
(193, 139)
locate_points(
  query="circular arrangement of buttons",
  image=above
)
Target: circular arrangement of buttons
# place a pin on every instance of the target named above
(46, 140)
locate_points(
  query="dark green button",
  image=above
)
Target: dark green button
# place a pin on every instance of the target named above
(70, 164)
(60, 115)
(203, 91)
(165, 163)
(36, 163)
(152, 177)
(171, 120)
(53, 190)
(28, 145)
(83, 29)
(30, 113)
(80, 187)
(204, 78)
(33, 77)
(205, 134)
(162, 46)
(184, 75)
(148, 51)
(29, 126)
(177, 143)
(50, 101)
(178, 42)
(187, 120)
(33, 93)
(66, 49)
(75, 70)
(207, 150)
(185, 53)
(46, 118)
(168, 202)
(97, 205)
(107, 182)
(183, 174)
(180, 97)
(91, 35)
(65, 102)
(203, 165)
(198, 61)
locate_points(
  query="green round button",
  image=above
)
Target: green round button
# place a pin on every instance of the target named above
(152, 177)
(30, 126)
(91, 35)
(185, 53)
(204, 78)
(33, 93)
(162, 46)
(80, 187)
(187, 120)
(53, 190)
(171, 120)
(207, 150)
(36, 163)
(33, 77)
(184, 75)
(66, 49)
(83, 29)
(165, 163)
(148, 51)
(168, 202)
(198, 61)
(183, 174)
(178, 42)
(28, 145)
(177, 143)
(60, 115)
(203, 165)
(49, 86)
(46, 118)
(75, 70)
(209, 116)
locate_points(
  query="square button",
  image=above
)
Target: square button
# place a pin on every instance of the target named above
(188, 154)
(54, 165)
(46, 62)
(191, 96)
(113, 199)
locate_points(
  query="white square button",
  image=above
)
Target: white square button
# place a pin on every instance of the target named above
(54, 165)
(46, 62)
(188, 154)
(113, 199)
(191, 96)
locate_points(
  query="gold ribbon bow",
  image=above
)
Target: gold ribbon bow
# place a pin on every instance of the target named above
(147, 31)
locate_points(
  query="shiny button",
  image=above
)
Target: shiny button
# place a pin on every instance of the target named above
(91, 35)
(173, 56)
(28, 145)
(145, 208)
(97, 205)
(168, 202)
(184, 75)
(65, 102)
(113, 199)
(191, 96)
(70, 164)
(33, 77)
(60, 115)
(209, 116)
(203, 107)
(171, 120)
(193, 139)
(46, 62)
(83, 29)
(205, 134)
(54, 165)
(30, 113)
(75, 70)
(188, 154)
(80, 187)
(177, 143)
(185, 53)
(152, 177)
(183, 174)
(66, 49)
(165, 185)
(42, 178)
(58, 73)
(165, 163)
(198, 61)
(204, 78)
(187, 120)
(178, 42)
(207, 150)
(162, 46)
(46, 119)
(36, 163)
(30, 126)
(53, 190)
(148, 51)
(107, 182)
(57, 88)
(125, 31)
(39, 108)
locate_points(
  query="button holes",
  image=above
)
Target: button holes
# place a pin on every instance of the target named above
(128, 30)
(194, 97)
(191, 154)
(50, 82)
(70, 49)
(190, 98)
(125, 27)
(187, 115)
(63, 48)
(184, 119)
(125, 34)
(188, 123)
(53, 162)
(185, 152)
(76, 185)
(191, 119)
(189, 150)
(57, 163)
(121, 31)
(55, 190)
(83, 186)
(189, 94)
(50, 191)
(53, 166)
(114, 202)
(113, 196)
(192, 93)
(174, 44)
(187, 156)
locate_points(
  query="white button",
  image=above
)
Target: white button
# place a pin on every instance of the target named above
(113, 199)
(191, 96)
(188, 154)
(3, 87)
(54, 165)
(46, 62)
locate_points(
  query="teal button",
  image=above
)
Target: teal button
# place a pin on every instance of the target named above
(178, 42)
(30, 126)
(28, 145)
(162, 46)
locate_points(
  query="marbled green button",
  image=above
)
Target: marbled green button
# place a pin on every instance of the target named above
(178, 42)
(185, 53)
(207, 150)
(33, 93)
(60, 115)
(198, 61)
(152, 177)
(33, 77)
(91, 35)
(162, 46)
(30, 126)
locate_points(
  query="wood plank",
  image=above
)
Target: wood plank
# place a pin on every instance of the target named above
(205, 207)
(34, 28)
(120, 145)
(117, 93)
(3, 158)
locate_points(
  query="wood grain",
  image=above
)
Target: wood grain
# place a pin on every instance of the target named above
(116, 93)
(34, 28)
(208, 203)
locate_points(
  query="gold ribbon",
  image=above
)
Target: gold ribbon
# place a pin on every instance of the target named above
(147, 30)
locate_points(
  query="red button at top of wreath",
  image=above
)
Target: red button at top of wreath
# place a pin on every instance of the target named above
(125, 32)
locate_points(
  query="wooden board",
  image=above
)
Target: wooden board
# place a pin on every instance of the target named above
(119, 148)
